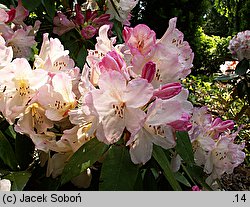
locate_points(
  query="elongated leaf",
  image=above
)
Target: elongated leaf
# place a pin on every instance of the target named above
(19, 180)
(162, 160)
(31, 4)
(49, 7)
(6, 152)
(181, 178)
(198, 175)
(242, 67)
(83, 158)
(226, 77)
(118, 172)
(24, 149)
(184, 147)
(149, 181)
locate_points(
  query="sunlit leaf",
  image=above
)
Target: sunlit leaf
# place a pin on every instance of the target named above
(163, 161)
(19, 180)
(184, 147)
(82, 159)
(6, 152)
(118, 172)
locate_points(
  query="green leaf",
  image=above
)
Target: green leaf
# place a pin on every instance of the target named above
(50, 7)
(6, 152)
(24, 149)
(31, 5)
(10, 132)
(82, 159)
(163, 161)
(118, 172)
(184, 147)
(181, 178)
(19, 180)
(198, 175)
(226, 77)
(149, 181)
(81, 57)
(242, 67)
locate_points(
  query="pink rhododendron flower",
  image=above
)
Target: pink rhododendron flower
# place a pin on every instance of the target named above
(118, 105)
(239, 45)
(21, 85)
(57, 98)
(158, 128)
(120, 10)
(21, 42)
(62, 24)
(52, 56)
(3, 16)
(20, 14)
(213, 144)
(33, 120)
(6, 53)
(173, 56)
(140, 39)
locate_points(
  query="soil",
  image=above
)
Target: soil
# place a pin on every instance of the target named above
(239, 180)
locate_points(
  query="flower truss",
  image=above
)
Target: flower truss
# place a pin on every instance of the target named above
(213, 144)
(129, 93)
(240, 45)
(16, 33)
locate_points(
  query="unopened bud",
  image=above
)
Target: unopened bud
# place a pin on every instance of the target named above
(168, 90)
(148, 71)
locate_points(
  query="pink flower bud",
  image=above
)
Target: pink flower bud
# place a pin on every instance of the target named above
(168, 90)
(12, 14)
(221, 126)
(148, 71)
(182, 124)
(112, 61)
(196, 188)
(88, 32)
(101, 20)
(79, 19)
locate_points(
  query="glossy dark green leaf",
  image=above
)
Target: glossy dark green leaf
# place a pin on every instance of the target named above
(184, 147)
(182, 179)
(49, 7)
(198, 175)
(82, 159)
(18, 180)
(10, 132)
(149, 181)
(24, 149)
(242, 67)
(31, 5)
(225, 78)
(6, 152)
(118, 172)
(164, 163)
(241, 89)
(81, 57)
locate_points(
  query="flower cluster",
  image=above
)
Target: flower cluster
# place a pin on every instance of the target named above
(240, 45)
(16, 33)
(213, 144)
(114, 98)
(228, 67)
(132, 90)
(87, 18)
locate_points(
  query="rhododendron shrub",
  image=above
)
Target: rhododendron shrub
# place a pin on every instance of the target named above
(116, 120)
